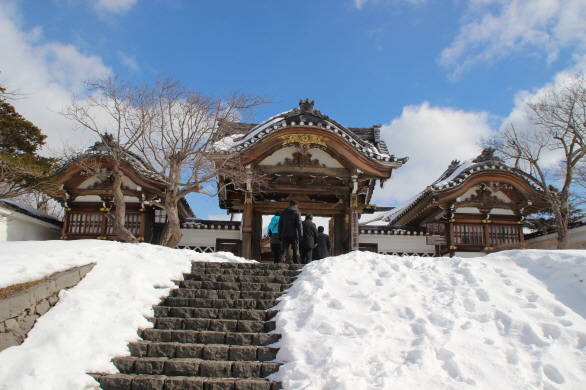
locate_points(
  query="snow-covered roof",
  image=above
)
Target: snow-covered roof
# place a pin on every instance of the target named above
(365, 140)
(454, 176)
(30, 211)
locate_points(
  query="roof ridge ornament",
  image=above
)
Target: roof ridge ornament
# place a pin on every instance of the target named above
(487, 155)
(306, 105)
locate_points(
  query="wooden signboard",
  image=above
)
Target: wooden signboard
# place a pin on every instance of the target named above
(436, 233)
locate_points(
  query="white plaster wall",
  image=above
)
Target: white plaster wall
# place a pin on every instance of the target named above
(281, 154)
(467, 255)
(93, 179)
(394, 243)
(20, 227)
(576, 234)
(207, 237)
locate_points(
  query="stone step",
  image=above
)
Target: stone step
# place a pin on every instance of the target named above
(194, 367)
(241, 272)
(209, 337)
(248, 266)
(223, 325)
(211, 313)
(163, 382)
(202, 351)
(223, 294)
(238, 279)
(219, 285)
(254, 304)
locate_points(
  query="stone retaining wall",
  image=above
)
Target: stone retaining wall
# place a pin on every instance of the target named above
(18, 312)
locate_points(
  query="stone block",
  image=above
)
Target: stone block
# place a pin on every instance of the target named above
(264, 304)
(212, 338)
(189, 351)
(229, 314)
(42, 307)
(246, 369)
(65, 280)
(248, 384)
(84, 269)
(115, 382)
(265, 354)
(253, 315)
(228, 294)
(180, 312)
(124, 364)
(197, 323)
(205, 294)
(11, 325)
(276, 386)
(250, 326)
(2, 327)
(265, 338)
(154, 382)
(219, 384)
(162, 350)
(150, 366)
(269, 368)
(252, 295)
(169, 323)
(204, 312)
(183, 367)
(53, 299)
(269, 326)
(43, 290)
(184, 383)
(223, 325)
(243, 353)
(215, 352)
(184, 336)
(249, 304)
(239, 338)
(215, 369)
(28, 322)
(139, 348)
(8, 340)
(14, 305)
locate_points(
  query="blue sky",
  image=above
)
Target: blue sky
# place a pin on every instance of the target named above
(438, 75)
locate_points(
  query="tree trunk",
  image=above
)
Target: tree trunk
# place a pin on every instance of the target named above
(172, 232)
(119, 215)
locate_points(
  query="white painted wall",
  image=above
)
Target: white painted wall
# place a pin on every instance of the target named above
(15, 226)
(207, 237)
(397, 243)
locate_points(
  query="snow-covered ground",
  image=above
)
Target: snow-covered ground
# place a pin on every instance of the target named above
(513, 320)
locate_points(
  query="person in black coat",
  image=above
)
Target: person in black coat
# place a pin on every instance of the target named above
(322, 250)
(309, 239)
(290, 231)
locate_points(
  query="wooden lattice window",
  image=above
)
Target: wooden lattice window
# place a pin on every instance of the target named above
(503, 234)
(468, 234)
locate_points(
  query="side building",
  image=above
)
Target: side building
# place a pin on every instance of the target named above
(483, 203)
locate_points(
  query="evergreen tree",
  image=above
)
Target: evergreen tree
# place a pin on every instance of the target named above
(22, 170)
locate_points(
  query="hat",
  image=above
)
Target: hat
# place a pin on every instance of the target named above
(293, 203)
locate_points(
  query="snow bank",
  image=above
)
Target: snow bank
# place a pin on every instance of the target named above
(368, 321)
(94, 321)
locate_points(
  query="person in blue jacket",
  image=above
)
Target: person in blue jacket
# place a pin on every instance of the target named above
(273, 233)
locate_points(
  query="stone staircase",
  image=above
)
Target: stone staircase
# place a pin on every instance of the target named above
(211, 333)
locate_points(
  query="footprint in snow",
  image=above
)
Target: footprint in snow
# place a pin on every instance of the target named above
(351, 282)
(336, 304)
(532, 297)
(553, 374)
(551, 331)
(482, 295)
(558, 311)
(508, 282)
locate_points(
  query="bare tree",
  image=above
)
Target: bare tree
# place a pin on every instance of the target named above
(113, 110)
(559, 119)
(180, 143)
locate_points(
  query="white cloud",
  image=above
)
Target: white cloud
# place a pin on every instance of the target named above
(47, 73)
(114, 6)
(498, 28)
(432, 137)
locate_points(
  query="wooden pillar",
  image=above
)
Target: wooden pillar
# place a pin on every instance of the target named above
(354, 231)
(247, 232)
(256, 235)
(338, 234)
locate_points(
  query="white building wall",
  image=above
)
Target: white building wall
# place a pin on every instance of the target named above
(19, 227)
(207, 237)
(397, 243)
(576, 234)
